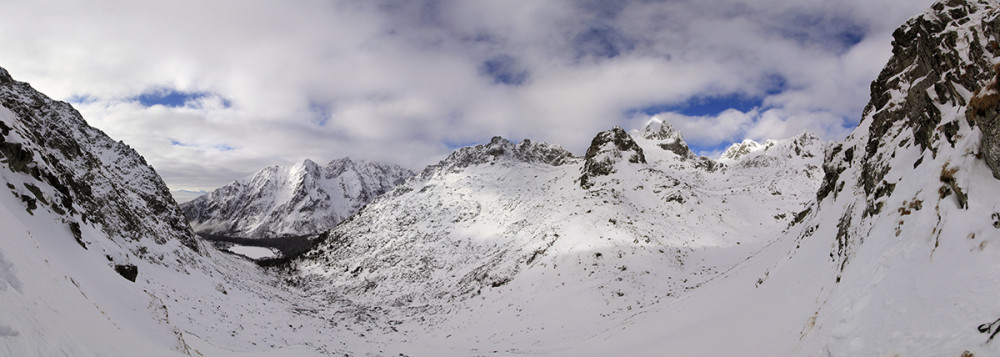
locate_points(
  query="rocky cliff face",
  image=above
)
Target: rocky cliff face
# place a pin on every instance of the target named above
(939, 58)
(902, 216)
(301, 199)
(81, 174)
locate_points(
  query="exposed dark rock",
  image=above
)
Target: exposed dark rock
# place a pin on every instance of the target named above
(77, 234)
(605, 151)
(926, 62)
(127, 271)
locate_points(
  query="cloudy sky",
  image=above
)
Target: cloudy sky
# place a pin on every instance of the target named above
(212, 90)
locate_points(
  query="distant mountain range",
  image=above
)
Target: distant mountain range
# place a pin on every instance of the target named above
(300, 199)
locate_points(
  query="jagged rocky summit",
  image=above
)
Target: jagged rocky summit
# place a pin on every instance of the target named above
(299, 199)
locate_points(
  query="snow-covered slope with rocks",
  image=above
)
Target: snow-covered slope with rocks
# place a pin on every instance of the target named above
(96, 259)
(547, 248)
(898, 255)
(299, 199)
(883, 244)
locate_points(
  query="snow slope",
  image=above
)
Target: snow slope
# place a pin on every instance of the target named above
(292, 200)
(899, 255)
(885, 244)
(633, 249)
(97, 260)
(509, 249)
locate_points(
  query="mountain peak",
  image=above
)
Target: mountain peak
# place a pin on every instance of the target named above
(738, 150)
(5, 76)
(606, 150)
(307, 165)
(663, 135)
(502, 150)
(303, 198)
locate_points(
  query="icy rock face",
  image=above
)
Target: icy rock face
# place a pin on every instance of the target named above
(81, 173)
(606, 150)
(301, 199)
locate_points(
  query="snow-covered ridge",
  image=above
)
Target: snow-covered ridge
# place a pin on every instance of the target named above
(80, 173)
(504, 152)
(299, 199)
(506, 233)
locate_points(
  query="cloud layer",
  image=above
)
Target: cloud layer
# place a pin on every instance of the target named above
(254, 83)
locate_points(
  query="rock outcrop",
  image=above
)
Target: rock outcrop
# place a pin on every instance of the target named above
(606, 150)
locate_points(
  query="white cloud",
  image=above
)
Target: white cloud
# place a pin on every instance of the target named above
(401, 80)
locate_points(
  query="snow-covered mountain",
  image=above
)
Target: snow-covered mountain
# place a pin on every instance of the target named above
(300, 199)
(553, 247)
(898, 255)
(96, 258)
(85, 222)
(886, 243)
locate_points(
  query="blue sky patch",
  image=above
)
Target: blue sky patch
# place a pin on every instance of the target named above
(703, 106)
(173, 98)
(320, 112)
(224, 147)
(601, 42)
(504, 69)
